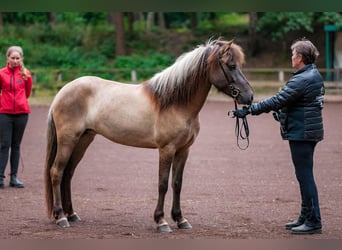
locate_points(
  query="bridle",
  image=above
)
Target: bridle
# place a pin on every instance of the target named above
(235, 92)
(241, 129)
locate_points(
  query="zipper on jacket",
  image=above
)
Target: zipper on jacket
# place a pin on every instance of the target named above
(12, 84)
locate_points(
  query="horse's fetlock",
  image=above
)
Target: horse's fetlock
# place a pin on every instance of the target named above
(158, 216)
(57, 213)
(176, 215)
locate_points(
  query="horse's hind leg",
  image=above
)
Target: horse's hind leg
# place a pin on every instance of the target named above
(75, 158)
(177, 178)
(56, 174)
(69, 153)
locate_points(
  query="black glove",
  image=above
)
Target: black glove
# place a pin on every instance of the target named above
(241, 113)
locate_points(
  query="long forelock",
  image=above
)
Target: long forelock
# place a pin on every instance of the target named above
(238, 54)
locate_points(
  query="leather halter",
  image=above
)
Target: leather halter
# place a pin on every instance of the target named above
(235, 92)
(241, 130)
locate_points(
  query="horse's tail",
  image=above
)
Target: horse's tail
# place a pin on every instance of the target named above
(51, 149)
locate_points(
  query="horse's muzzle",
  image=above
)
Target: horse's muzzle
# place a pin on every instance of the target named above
(245, 99)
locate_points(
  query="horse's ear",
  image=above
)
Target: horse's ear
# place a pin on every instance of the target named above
(226, 47)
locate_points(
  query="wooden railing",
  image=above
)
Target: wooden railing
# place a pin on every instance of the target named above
(263, 77)
(275, 74)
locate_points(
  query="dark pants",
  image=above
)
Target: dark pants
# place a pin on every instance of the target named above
(12, 129)
(302, 153)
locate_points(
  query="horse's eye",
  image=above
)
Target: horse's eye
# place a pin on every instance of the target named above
(232, 67)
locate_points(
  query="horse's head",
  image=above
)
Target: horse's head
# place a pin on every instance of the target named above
(225, 61)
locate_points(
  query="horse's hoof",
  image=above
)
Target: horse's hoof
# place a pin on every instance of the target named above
(74, 217)
(63, 223)
(184, 225)
(165, 228)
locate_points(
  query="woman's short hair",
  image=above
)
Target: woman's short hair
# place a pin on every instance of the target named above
(305, 48)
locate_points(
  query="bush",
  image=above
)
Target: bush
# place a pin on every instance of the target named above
(146, 66)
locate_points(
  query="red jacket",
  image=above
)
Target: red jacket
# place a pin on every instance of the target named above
(14, 91)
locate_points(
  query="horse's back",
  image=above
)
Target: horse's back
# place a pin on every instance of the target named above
(120, 112)
(84, 85)
(94, 89)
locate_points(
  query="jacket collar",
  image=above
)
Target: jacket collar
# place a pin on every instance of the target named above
(306, 67)
(16, 69)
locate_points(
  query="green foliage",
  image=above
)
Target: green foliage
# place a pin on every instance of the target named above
(277, 24)
(25, 17)
(224, 21)
(83, 43)
(334, 18)
(232, 19)
(60, 46)
(142, 64)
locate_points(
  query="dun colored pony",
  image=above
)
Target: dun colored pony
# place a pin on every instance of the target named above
(160, 113)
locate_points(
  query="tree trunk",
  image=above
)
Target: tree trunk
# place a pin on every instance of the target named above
(161, 20)
(52, 18)
(252, 40)
(149, 21)
(193, 20)
(117, 19)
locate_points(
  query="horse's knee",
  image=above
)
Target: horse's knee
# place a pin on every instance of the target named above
(163, 186)
(177, 186)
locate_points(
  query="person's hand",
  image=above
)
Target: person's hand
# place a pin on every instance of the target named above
(241, 113)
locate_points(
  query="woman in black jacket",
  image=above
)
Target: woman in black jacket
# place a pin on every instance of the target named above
(298, 107)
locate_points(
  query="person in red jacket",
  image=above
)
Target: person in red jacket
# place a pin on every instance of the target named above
(15, 89)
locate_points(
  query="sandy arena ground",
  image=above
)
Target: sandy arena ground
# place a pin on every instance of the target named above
(227, 193)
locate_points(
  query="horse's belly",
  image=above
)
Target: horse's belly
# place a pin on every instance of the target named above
(134, 140)
(136, 135)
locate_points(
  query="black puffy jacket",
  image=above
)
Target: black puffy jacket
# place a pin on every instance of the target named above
(299, 104)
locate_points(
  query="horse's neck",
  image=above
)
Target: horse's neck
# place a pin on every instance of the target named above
(196, 104)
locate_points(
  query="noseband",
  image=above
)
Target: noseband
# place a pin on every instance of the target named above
(241, 130)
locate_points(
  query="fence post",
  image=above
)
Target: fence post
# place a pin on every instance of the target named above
(34, 87)
(281, 76)
(59, 76)
(134, 78)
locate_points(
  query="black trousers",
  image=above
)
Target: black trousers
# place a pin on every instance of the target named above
(302, 153)
(12, 129)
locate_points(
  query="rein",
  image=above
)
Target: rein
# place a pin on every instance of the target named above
(241, 128)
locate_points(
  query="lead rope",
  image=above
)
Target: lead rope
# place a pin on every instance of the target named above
(241, 130)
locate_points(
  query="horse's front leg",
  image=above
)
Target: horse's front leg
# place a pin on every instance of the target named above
(177, 178)
(165, 161)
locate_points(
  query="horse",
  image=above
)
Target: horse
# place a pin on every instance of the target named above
(160, 113)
